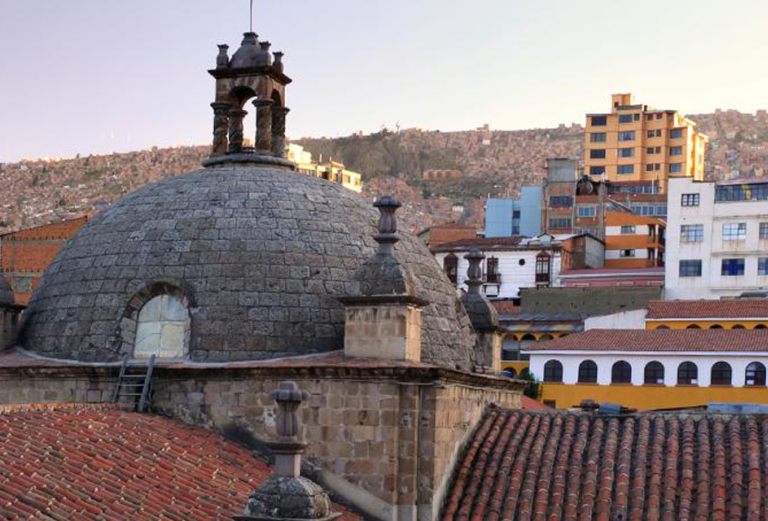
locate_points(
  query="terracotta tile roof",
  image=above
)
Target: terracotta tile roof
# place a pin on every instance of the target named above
(713, 340)
(484, 243)
(531, 404)
(629, 272)
(662, 466)
(85, 463)
(505, 307)
(736, 308)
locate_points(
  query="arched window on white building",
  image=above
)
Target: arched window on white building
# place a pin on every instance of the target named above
(162, 328)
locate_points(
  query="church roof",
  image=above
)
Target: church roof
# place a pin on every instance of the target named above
(83, 462)
(650, 466)
(261, 255)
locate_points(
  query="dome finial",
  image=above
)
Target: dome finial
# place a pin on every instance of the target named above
(387, 236)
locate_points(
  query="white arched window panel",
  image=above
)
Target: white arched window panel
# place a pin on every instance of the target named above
(162, 329)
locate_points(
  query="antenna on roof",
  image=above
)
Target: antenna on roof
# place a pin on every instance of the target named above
(251, 17)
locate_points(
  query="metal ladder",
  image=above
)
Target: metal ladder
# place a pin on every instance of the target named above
(135, 383)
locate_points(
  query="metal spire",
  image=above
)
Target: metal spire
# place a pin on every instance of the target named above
(251, 18)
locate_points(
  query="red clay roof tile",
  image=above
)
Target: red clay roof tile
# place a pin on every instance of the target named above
(735, 308)
(94, 462)
(558, 465)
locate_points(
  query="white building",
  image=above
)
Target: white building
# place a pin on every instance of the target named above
(717, 238)
(512, 263)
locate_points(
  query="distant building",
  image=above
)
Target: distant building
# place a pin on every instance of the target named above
(509, 217)
(512, 263)
(608, 277)
(448, 232)
(331, 170)
(717, 238)
(636, 143)
(559, 193)
(439, 174)
(633, 241)
(25, 254)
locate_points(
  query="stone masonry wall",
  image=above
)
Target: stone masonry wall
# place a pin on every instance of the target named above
(385, 445)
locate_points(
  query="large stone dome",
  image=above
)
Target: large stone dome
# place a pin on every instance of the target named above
(255, 255)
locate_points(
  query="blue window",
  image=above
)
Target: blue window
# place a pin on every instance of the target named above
(675, 168)
(626, 169)
(515, 214)
(692, 233)
(675, 151)
(586, 211)
(597, 153)
(676, 133)
(626, 152)
(762, 266)
(690, 268)
(596, 170)
(733, 267)
(597, 137)
(599, 121)
(625, 118)
(734, 231)
(627, 136)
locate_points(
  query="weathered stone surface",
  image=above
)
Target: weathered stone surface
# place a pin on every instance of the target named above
(259, 255)
(289, 498)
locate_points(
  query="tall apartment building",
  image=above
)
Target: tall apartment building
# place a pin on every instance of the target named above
(636, 143)
(510, 217)
(717, 239)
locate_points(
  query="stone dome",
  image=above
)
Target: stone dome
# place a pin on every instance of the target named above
(257, 254)
(6, 293)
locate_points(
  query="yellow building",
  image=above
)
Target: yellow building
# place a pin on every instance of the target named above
(330, 170)
(635, 143)
(742, 313)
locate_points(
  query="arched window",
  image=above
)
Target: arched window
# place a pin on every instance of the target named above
(621, 373)
(162, 328)
(662, 327)
(587, 372)
(492, 270)
(715, 326)
(687, 374)
(654, 373)
(755, 375)
(721, 374)
(526, 341)
(509, 372)
(760, 326)
(553, 371)
(693, 326)
(544, 338)
(738, 326)
(451, 265)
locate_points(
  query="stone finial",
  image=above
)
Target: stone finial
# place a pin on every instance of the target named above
(288, 397)
(387, 236)
(475, 270)
(222, 60)
(264, 57)
(278, 63)
(286, 495)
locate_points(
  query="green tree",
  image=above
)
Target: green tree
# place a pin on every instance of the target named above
(533, 389)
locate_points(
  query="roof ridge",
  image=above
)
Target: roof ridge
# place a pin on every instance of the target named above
(32, 407)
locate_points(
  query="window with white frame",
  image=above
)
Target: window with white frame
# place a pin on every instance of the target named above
(734, 231)
(690, 200)
(763, 230)
(690, 268)
(762, 266)
(628, 230)
(586, 211)
(692, 233)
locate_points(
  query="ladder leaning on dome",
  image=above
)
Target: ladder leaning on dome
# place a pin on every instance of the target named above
(131, 378)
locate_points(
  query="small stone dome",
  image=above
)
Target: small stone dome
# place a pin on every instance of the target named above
(232, 262)
(6, 293)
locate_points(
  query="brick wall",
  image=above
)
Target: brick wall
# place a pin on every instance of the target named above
(25, 255)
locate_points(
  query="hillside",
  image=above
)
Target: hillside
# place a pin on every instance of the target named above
(491, 162)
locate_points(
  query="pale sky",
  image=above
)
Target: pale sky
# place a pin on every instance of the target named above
(97, 76)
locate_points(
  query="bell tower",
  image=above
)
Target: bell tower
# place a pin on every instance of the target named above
(253, 74)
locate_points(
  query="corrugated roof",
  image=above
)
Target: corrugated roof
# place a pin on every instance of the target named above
(705, 340)
(736, 308)
(558, 466)
(99, 463)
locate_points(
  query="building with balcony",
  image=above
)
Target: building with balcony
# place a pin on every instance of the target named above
(512, 263)
(634, 142)
(633, 241)
(655, 369)
(717, 238)
(511, 217)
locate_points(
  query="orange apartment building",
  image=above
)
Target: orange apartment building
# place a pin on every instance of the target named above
(634, 142)
(25, 254)
(633, 241)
